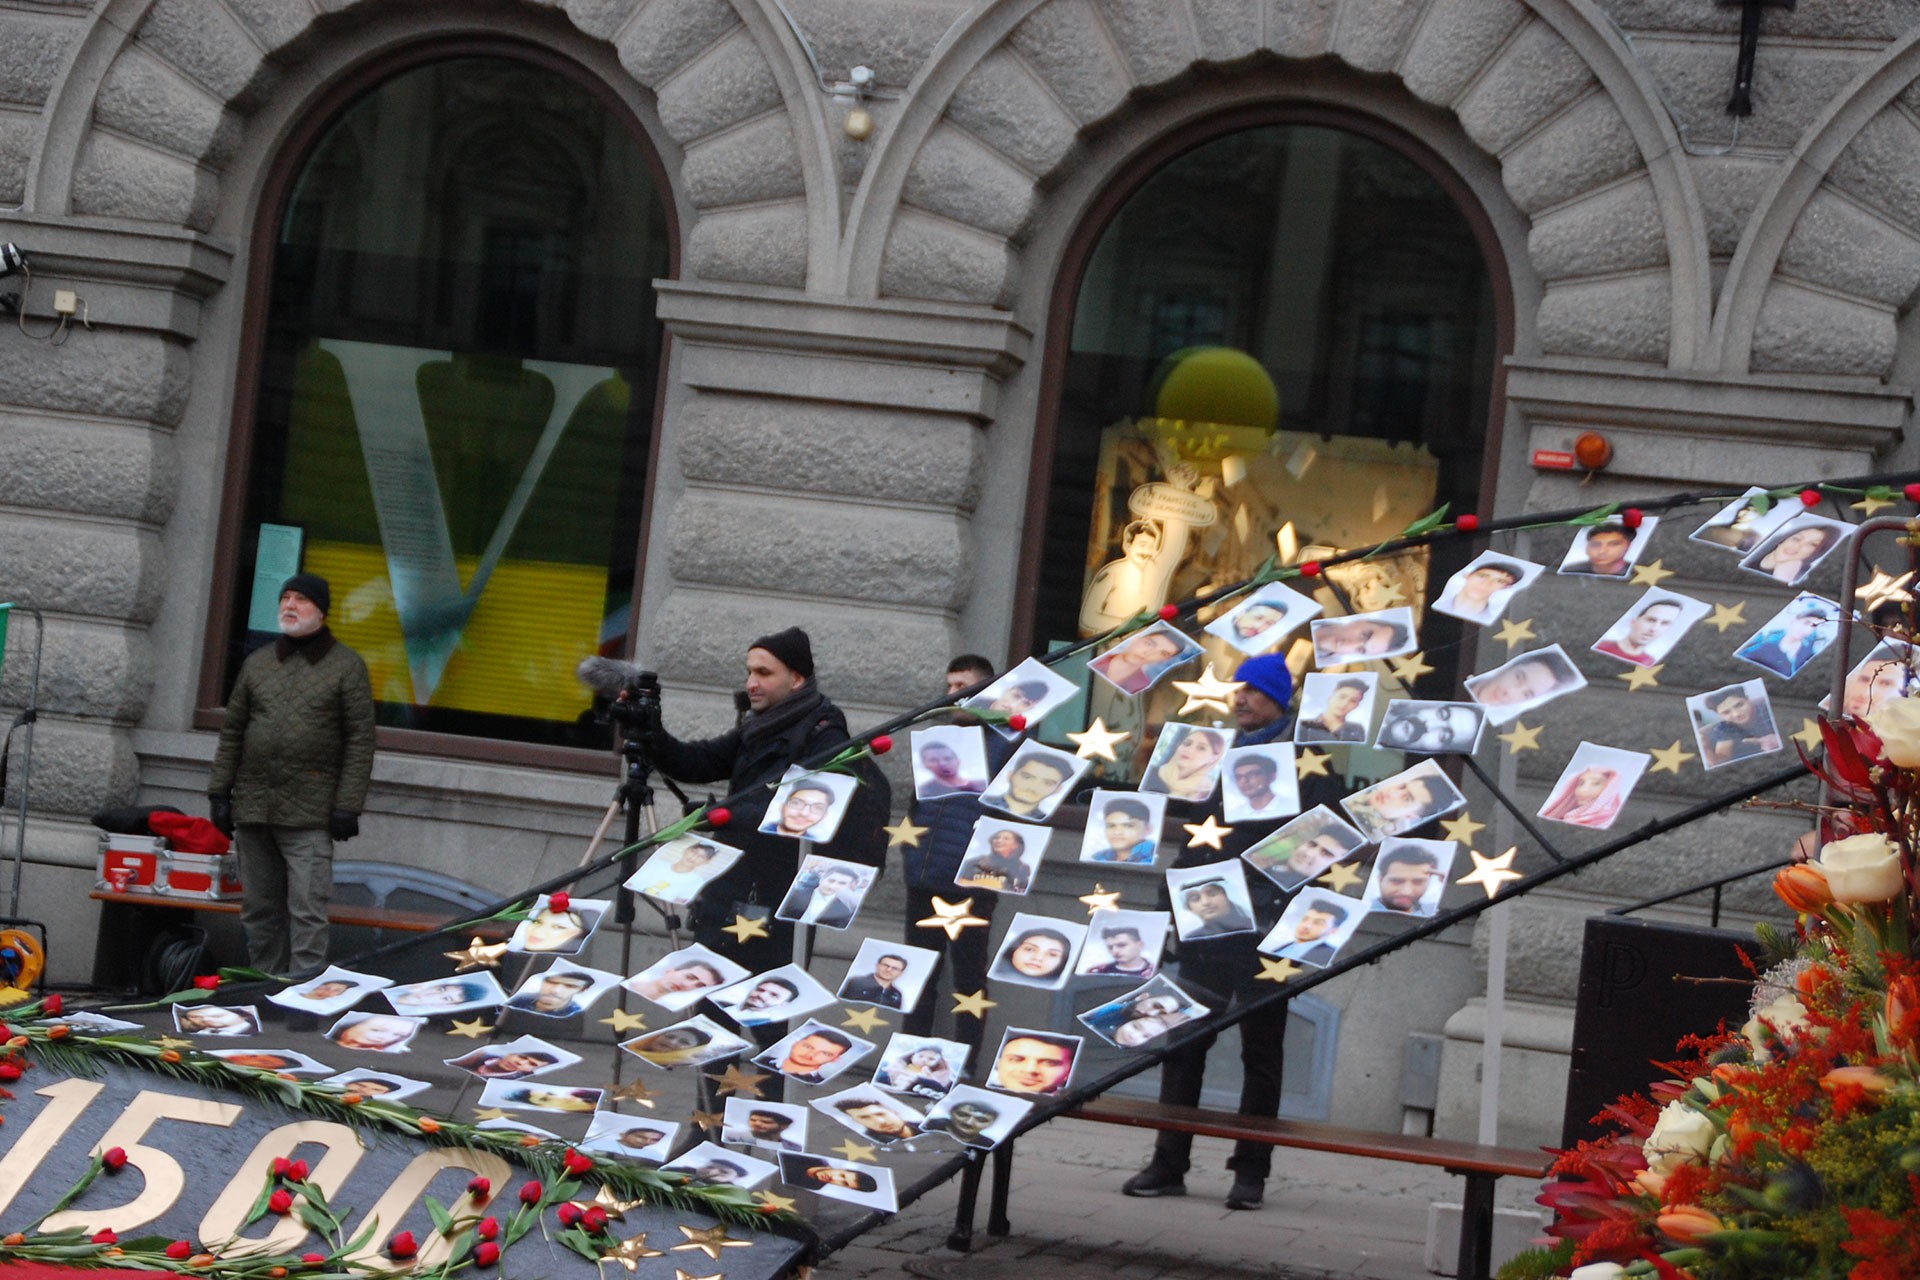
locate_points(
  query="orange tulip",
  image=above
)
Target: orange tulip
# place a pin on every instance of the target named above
(1687, 1223)
(1863, 1078)
(1903, 1004)
(1803, 887)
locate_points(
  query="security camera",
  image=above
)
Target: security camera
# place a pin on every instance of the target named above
(12, 260)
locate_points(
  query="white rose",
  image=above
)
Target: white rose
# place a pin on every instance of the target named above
(1680, 1136)
(1863, 868)
(1598, 1271)
(1897, 724)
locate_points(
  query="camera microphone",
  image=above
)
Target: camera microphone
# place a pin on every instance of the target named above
(609, 677)
(742, 704)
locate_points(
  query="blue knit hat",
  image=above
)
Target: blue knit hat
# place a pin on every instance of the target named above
(1268, 673)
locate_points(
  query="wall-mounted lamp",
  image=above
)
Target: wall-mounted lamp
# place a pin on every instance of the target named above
(12, 261)
(858, 123)
(1593, 450)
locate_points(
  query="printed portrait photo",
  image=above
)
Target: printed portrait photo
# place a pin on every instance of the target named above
(678, 870)
(1608, 549)
(1002, 856)
(1409, 799)
(752, 1122)
(375, 1032)
(1734, 722)
(1796, 548)
(1336, 707)
(1210, 901)
(1305, 848)
(1890, 670)
(334, 990)
(546, 931)
(518, 1059)
(1038, 951)
(925, 1067)
(712, 1165)
(1143, 1015)
(377, 1084)
(1431, 728)
(1313, 928)
(216, 1020)
(535, 1096)
(681, 977)
(1480, 591)
(949, 760)
(630, 1137)
(1409, 876)
(461, 994)
(1264, 618)
(1186, 761)
(1650, 627)
(1259, 784)
(1036, 1062)
(1594, 786)
(286, 1061)
(814, 1053)
(1520, 684)
(1139, 661)
(808, 805)
(564, 990)
(1741, 525)
(974, 1117)
(874, 1116)
(1031, 689)
(774, 996)
(1123, 827)
(1793, 637)
(1034, 781)
(697, 1040)
(868, 1185)
(1363, 637)
(827, 892)
(1123, 944)
(888, 975)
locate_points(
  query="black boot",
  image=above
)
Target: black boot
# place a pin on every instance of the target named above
(1248, 1190)
(1155, 1180)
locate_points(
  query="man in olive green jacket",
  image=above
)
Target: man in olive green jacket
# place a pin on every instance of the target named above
(291, 775)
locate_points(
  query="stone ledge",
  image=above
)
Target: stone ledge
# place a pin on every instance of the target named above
(133, 276)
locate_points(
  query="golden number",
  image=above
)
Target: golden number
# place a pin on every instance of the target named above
(66, 1099)
(392, 1207)
(229, 1212)
(165, 1179)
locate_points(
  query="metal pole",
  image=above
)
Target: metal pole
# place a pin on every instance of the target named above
(1492, 1033)
(32, 714)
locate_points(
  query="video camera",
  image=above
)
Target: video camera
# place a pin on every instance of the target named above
(633, 697)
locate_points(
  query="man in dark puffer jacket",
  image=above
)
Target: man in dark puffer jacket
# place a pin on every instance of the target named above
(290, 777)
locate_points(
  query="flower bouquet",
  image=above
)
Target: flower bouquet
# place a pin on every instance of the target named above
(1792, 1146)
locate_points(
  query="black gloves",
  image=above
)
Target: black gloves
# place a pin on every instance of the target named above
(220, 811)
(343, 825)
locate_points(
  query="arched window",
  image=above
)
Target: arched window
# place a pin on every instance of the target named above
(456, 377)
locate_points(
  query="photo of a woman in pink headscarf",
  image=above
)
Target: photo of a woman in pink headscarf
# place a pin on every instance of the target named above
(1594, 787)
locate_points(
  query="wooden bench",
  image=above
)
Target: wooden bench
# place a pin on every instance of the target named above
(1480, 1166)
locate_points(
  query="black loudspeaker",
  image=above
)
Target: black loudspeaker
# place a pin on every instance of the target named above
(1640, 992)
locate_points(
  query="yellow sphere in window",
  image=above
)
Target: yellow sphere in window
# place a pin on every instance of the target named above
(1219, 385)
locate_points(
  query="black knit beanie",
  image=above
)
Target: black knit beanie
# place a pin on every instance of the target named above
(312, 586)
(791, 647)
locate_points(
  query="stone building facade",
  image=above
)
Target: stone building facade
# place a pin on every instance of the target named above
(864, 338)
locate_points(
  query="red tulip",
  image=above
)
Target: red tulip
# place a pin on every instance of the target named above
(719, 816)
(486, 1254)
(1168, 612)
(55, 1004)
(313, 1259)
(1467, 523)
(480, 1189)
(11, 1070)
(114, 1158)
(882, 744)
(180, 1250)
(208, 982)
(1913, 493)
(403, 1245)
(569, 1214)
(562, 901)
(488, 1229)
(104, 1236)
(1311, 569)
(1809, 497)
(280, 1166)
(577, 1164)
(297, 1171)
(531, 1192)
(1016, 723)
(594, 1219)
(281, 1201)
(1632, 517)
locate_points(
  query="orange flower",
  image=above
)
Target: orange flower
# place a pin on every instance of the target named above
(530, 1140)
(278, 1273)
(1903, 1008)
(14, 1239)
(1803, 887)
(169, 1055)
(1687, 1223)
(1865, 1079)
(1649, 1183)
(351, 1099)
(202, 1260)
(429, 1125)
(58, 1031)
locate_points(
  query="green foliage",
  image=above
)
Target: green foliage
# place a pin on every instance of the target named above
(1538, 1264)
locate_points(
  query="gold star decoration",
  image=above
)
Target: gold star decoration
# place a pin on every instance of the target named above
(1096, 740)
(613, 1202)
(1206, 832)
(622, 1022)
(1100, 899)
(633, 1091)
(865, 1021)
(1642, 677)
(708, 1119)
(681, 1274)
(1670, 759)
(1208, 692)
(735, 1080)
(904, 832)
(1870, 504)
(1311, 764)
(1651, 575)
(1276, 970)
(1883, 588)
(1512, 633)
(1385, 595)
(1340, 877)
(1462, 828)
(745, 927)
(1728, 615)
(773, 1203)
(489, 1113)
(951, 916)
(851, 1150)
(1809, 735)
(478, 954)
(974, 1005)
(1491, 873)
(710, 1240)
(173, 1042)
(1522, 737)
(471, 1028)
(629, 1252)
(1411, 667)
